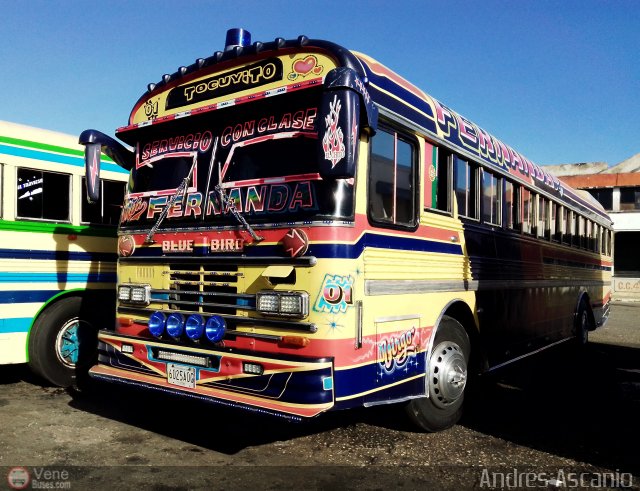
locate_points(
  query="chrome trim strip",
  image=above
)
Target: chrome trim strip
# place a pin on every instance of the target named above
(396, 287)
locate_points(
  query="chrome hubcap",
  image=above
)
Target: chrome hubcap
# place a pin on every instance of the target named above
(448, 371)
(67, 343)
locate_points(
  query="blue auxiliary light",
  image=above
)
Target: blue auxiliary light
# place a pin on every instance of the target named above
(156, 324)
(215, 328)
(175, 325)
(194, 328)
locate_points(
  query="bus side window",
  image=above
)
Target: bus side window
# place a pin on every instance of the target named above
(465, 187)
(43, 195)
(107, 210)
(510, 205)
(527, 210)
(490, 201)
(392, 175)
(443, 181)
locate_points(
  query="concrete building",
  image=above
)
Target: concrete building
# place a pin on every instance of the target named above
(617, 188)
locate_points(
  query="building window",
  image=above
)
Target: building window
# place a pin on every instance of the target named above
(43, 195)
(629, 199)
(392, 175)
(465, 183)
(604, 197)
(107, 210)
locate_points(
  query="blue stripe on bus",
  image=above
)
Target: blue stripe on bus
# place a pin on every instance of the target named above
(63, 276)
(27, 296)
(54, 157)
(57, 255)
(15, 325)
(336, 250)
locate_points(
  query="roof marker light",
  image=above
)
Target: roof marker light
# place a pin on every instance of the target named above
(237, 37)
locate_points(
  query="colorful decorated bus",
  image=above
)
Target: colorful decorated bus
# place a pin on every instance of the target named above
(57, 252)
(304, 231)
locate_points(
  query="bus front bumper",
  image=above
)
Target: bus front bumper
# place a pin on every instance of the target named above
(290, 387)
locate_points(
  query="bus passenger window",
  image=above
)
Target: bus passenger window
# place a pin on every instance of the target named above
(443, 200)
(510, 208)
(543, 215)
(527, 211)
(392, 175)
(556, 225)
(490, 198)
(43, 195)
(465, 183)
(107, 210)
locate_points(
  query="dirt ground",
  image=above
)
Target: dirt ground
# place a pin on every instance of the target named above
(550, 421)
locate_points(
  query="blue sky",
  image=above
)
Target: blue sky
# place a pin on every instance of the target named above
(558, 80)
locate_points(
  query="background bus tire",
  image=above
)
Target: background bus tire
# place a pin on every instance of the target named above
(59, 326)
(439, 412)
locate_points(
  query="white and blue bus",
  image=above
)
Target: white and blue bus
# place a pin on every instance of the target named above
(57, 252)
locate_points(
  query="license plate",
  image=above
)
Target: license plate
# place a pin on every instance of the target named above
(181, 375)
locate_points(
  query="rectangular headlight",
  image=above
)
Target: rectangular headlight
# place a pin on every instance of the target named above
(134, 294)
(287, 304)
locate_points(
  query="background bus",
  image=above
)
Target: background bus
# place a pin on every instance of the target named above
(307, 231)
(57, 252)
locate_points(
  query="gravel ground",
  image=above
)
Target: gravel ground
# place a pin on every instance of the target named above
(549, 422)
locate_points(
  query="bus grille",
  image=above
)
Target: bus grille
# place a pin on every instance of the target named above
(206, 289)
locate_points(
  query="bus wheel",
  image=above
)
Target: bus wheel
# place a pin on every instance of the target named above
(447, 379)
(583, 325)
(60, 342)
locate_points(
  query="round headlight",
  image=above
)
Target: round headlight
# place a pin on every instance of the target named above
(175, 325)
(156, 324)
(194, 328)
(215, 328)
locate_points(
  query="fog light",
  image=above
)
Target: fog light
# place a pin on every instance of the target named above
(194, 328)
(215, 328)
(175, 325)
(252, 368)
(156, 324)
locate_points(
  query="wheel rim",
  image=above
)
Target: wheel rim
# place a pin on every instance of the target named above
(68, 343)
(448, 369)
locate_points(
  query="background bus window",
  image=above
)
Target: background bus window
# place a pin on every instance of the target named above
(392, 174)
(490, 198)
(465, 183)
(107, 210)
(527, 211)
(43, 195)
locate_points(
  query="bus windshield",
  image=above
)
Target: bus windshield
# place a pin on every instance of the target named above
(264, 159)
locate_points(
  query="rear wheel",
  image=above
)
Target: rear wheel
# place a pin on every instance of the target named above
(582, 324)
(447, 379)
(62, 342)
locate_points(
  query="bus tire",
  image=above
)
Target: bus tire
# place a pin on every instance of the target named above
(62, 343)
(582, 325)
(447, 378)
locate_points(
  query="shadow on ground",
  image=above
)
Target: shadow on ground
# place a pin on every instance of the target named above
(584, 406)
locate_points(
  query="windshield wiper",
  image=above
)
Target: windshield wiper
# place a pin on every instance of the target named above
(181, 191)
(229, 204)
